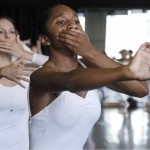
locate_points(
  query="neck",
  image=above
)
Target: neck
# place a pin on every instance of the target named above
(62, 61)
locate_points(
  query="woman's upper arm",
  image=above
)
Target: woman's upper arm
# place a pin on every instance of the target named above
(48, 80)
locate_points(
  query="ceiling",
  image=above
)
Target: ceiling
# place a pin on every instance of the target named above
(25, 13)
(79, 3)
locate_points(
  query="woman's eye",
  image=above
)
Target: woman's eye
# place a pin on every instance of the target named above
(77, 21)
(13, 32)
(1, 32)
(60, 22)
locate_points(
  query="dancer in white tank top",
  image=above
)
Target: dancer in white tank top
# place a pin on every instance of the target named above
(66, 122)
(63, 101)
(14, 108)
(14, 114)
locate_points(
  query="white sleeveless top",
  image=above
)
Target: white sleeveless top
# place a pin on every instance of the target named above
(65, 123)
(14, 116)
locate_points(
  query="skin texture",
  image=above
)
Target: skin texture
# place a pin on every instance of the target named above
(66, 39)
(11, 72)
(78, 42)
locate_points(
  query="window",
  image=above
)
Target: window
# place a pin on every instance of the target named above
(82, 20)
(126, 32)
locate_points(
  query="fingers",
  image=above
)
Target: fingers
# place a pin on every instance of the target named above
(19, 74)
(19, 83)
(26, 73)
(5, 45)
(71, 38)
(25, 79)
(23, 72)
(67, 36)
(8, 51)
(19, 61)
(70, 34)
(145, 45)
(18, 79)
(69, 46)
(69, 42)
(22, 85)
(22, 77)
(31, 69)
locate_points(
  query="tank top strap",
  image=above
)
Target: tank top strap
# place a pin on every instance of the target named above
(82, 64)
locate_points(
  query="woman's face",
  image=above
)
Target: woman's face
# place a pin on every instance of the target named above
(62, 17)
(7, 30)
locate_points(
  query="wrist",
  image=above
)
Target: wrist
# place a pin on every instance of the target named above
(127, 73)
(1, 72)
(28, 55)
(93, 54)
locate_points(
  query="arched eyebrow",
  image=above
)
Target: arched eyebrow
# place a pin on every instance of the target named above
(61, 15)
(10, 28)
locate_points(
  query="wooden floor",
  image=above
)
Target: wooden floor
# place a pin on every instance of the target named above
(117, 129)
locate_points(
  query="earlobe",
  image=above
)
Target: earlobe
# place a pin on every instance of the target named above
(48, 44)
(44, 40)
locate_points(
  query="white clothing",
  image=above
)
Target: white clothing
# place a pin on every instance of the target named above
(65, 123)
(14, 115)
(39, 59)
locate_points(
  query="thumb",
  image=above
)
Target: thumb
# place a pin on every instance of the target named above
(18, 39)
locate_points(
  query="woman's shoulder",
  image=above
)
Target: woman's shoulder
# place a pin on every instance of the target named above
(42, 71)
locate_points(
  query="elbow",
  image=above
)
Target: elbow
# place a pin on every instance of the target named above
(68, 87)
(146, 92)
(71, 83)
(143, 92)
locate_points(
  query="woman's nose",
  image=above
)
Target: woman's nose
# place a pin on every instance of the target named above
(7, 35)
(72, 26)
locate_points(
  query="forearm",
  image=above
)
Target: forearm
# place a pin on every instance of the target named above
(78, 79)
(132, 88)
(100, 60)
(96, 78)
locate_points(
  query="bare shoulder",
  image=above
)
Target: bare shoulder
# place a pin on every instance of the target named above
(42, 78)
(42, 71)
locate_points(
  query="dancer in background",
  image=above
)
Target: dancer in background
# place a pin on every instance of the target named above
(14, 110)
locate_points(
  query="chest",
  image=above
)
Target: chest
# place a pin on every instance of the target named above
(70, 109)
(13, 97)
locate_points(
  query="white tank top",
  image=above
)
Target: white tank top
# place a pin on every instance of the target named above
(65, 123)
(14, 116)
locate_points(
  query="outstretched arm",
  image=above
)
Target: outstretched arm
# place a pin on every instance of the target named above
(79, 43)
(78, 79)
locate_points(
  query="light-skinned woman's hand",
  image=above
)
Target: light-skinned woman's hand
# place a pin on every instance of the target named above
(16, 71)
(14, 48)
